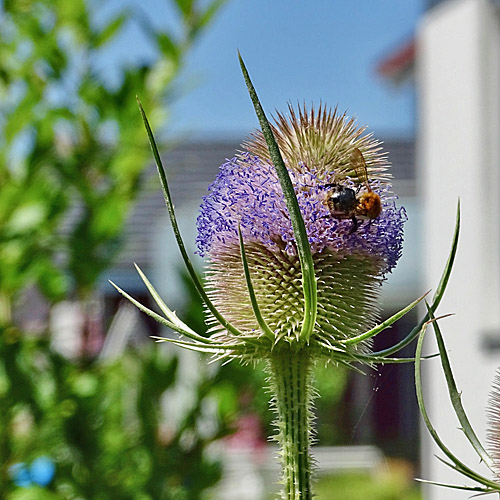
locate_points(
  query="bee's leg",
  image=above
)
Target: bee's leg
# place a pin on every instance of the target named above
(354, 225)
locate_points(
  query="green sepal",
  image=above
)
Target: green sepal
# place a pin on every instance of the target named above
(169, 314)
(367, 358)
(437, 296)
(382, 326)
(251, 292)
(299, 229)
(383, 360)
(193, 346)
(170, 207)
(173, 326)
(456, 398)
(456, 463)
(339, 355)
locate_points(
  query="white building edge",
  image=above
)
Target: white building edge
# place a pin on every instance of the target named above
(458, 155)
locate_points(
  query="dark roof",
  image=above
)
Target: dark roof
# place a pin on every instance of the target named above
(190, 169)
(402, 158)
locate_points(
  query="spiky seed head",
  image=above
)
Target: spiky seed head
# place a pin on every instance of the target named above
(493, 429)
(349, 265)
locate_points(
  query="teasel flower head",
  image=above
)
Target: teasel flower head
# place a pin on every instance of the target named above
(299, 230)
(295, 249)
(351, 257)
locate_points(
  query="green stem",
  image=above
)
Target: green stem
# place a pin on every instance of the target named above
(291, 376)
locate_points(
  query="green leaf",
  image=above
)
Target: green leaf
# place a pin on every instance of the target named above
(455, 396)
(175, 228)
(209, 13)
(459, 466)
(99, 39)
(185, 7)
(437, 296)
(299, 230)
(21, 118)
(168, 46)
(456, 486)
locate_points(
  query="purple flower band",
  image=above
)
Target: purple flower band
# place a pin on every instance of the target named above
(247, 191)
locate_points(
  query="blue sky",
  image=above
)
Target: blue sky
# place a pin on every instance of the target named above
(324, 50)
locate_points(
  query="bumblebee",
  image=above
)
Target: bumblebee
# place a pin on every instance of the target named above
(346, 203)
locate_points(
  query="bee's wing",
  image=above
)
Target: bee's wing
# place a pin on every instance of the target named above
(358, 164)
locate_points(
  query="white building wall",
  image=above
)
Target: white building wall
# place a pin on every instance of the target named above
(459, 156)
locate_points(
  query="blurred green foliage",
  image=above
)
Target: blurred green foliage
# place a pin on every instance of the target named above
(103, 426)
(72, 141)
(72, 150)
